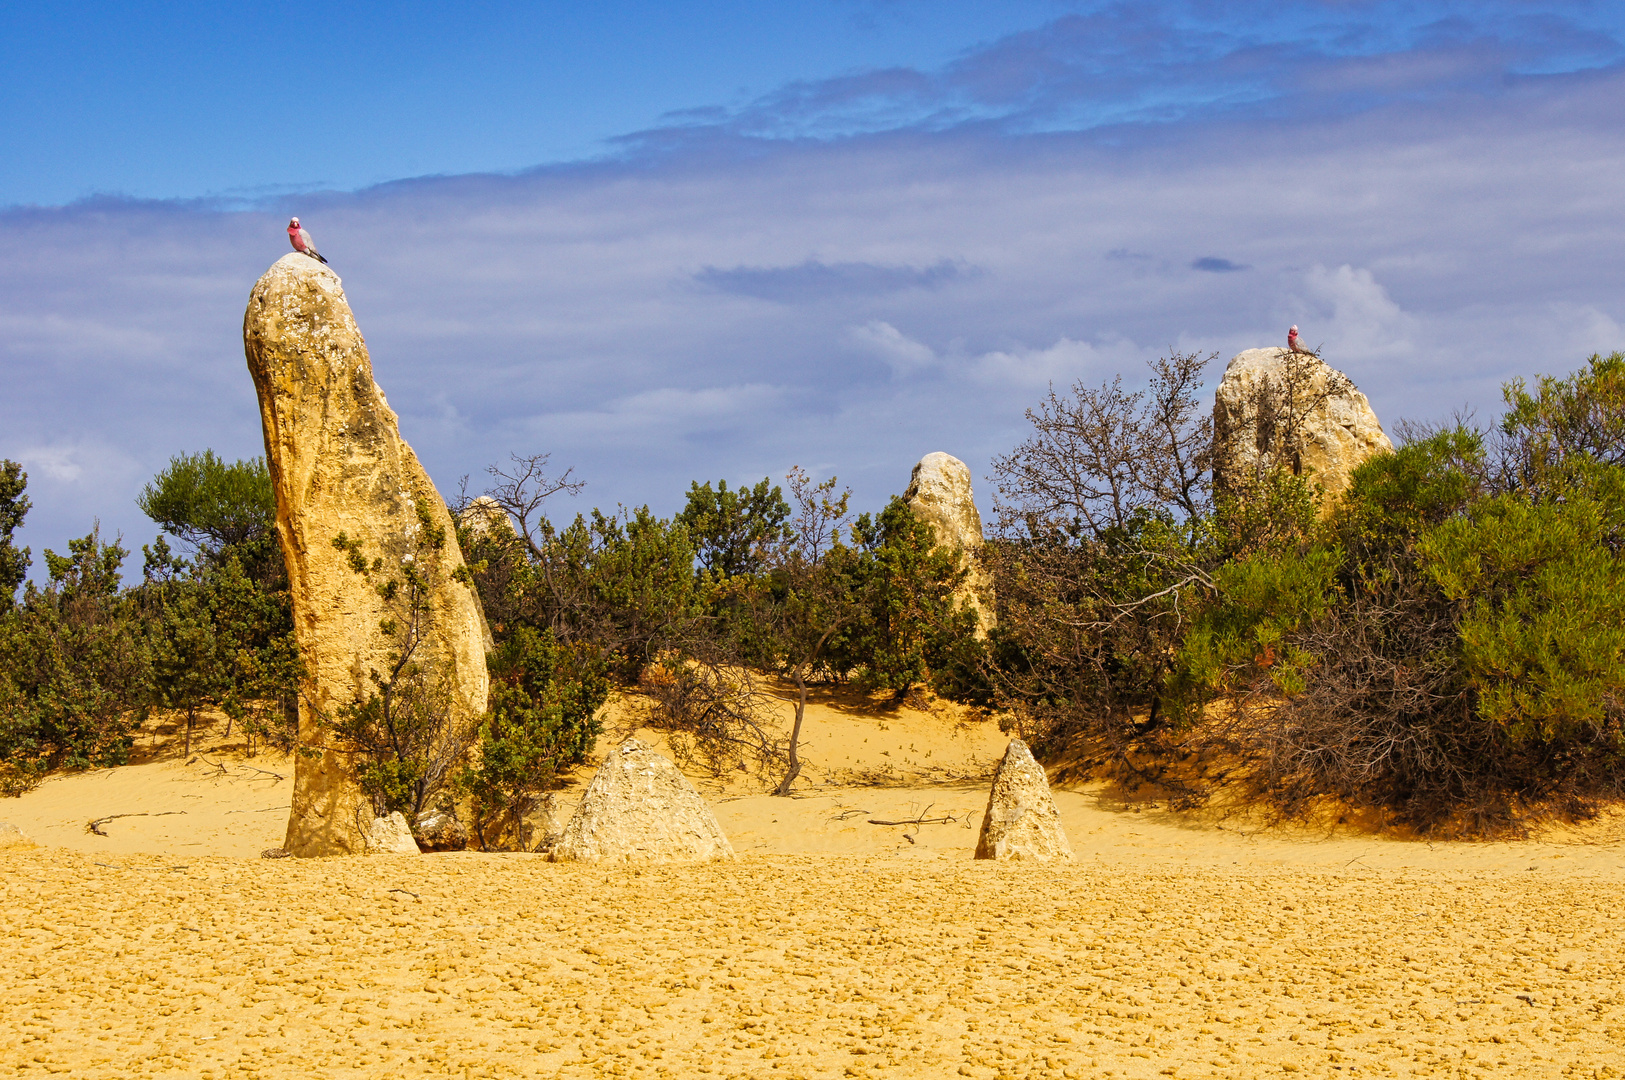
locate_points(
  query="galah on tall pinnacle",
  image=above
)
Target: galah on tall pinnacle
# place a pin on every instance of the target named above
(1293, 342)
(302, 243)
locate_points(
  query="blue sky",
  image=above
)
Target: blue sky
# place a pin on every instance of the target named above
(686, 242)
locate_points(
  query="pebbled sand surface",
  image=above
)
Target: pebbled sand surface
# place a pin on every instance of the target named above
(832, 948)
(798, 966)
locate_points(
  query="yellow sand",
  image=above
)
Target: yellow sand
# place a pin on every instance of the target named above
(832, 948)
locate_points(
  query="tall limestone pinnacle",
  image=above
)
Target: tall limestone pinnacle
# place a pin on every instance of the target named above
(939, 493)
(341, 469)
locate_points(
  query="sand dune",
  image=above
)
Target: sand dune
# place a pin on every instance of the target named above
(833, 947)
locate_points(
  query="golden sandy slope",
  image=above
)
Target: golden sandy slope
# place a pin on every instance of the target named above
(832, 948)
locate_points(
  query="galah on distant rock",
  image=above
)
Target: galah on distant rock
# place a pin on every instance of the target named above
(1293, 342)
(302, 243)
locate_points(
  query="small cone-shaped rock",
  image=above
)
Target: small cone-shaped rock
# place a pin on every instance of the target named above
(1021, 820)
(391, 836)
(13, 837)
(939, 493)
(340, 467)
(640, 808)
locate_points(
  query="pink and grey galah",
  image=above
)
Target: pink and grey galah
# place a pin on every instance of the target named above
(302, 243)
(1293, 342)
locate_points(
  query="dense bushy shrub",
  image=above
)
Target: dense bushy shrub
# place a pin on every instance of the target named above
(84, 660)
(75, 670)
(542, 721)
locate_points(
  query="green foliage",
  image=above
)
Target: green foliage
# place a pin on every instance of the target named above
(620, 587)
(219, 640)
(75, 670)
(14, 506)
(733, 532)
(1394, 498)
(1266, 512)
(84, 661)
(1582, 414)
(1541, 590)
(210, 504)
(905, 585)
(1246, 633)
(542, 720)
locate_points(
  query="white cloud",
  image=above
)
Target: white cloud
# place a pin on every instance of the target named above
(56, 462)
(1062, 363)
(904, 355)
(1358, 317)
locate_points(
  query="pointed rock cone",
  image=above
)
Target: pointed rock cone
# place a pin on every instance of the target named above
(1021, 820)
(641, 809)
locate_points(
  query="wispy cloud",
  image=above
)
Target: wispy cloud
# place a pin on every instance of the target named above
(814, 280)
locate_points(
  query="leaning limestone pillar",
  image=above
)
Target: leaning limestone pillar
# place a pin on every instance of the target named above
(340, 466)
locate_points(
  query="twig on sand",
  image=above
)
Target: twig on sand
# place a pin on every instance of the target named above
(276, 776)
(217, 764)
(261, 810)
(844, 814)
(96, 826)
(408, 892)
(921, 820)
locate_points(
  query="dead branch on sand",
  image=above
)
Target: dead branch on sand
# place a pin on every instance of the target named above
(921, 820)
(96, 826)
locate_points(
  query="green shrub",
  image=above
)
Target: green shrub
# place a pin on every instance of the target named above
(1540, 589)
(75, 669)
(542, 720)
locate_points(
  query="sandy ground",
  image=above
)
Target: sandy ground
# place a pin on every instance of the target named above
(833, 947)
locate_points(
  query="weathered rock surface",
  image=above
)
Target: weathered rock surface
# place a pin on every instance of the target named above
(391, 836)
(939, 493)
(540, 828)
(1021, 820)
(340, 466)
(485, 517)
(440, 830)
(640, 808)
(13, 837)
(1275, 408)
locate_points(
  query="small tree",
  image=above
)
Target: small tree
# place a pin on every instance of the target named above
(542, 720)
(811, 599)
(407, 739)
(734, 531)
(75, 672)
(14, 506)
(187, 669)
(1099, 458)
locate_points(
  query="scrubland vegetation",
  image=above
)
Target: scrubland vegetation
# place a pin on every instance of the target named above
(1444, 644)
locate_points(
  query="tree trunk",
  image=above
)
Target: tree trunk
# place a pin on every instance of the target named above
(795, 734)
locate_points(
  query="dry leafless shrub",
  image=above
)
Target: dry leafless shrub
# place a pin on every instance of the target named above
(713, 713)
